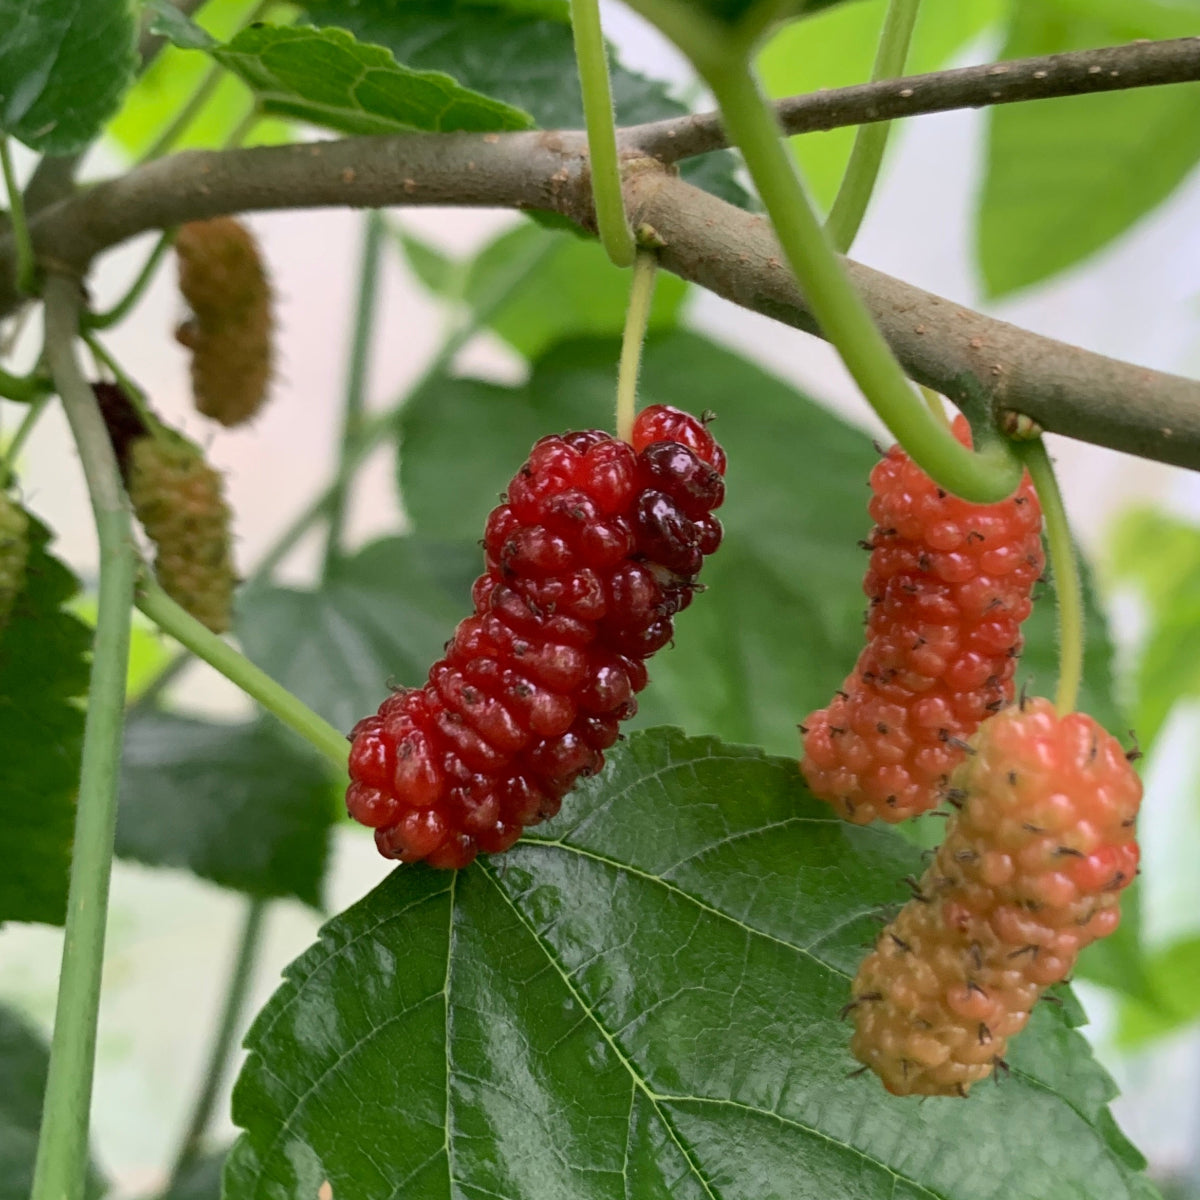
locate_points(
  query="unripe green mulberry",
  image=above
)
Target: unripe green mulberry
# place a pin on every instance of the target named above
(178, 499)
(14, 551)
(1029, 874)
(222, 277)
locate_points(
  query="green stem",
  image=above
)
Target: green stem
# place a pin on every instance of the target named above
(637, 317)
(933, 402)
(32, 416)
(186, 115)
(62, 1154)
(862, 171)
(1064, 566)
(121, 309)
(241, 976)
(24, 388)
(984, 476)
(356, 376)
(26, 263)
(592, 60)
(275, 698)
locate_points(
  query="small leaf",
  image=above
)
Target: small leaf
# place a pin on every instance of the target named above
(64, 67)
(245, 806)
(1173, 1002)
(641, 1000)
(383, 615)
(172, 79)
(178, 28)
(24, 1060)
(1066, 177)
(437, 271)
(43, 672)
(519, 55)
(837, 48)
(329, 78)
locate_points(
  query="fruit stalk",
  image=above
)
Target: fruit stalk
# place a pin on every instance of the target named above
(1064, 566)
(982, 476)
(591, 57)
(256, 683)
(633, 337)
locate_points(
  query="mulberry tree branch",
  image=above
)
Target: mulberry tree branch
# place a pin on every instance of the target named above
(961, 353)
(1050, 76)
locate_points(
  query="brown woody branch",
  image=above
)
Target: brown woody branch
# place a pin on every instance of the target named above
(733, 253)
(1077, 73)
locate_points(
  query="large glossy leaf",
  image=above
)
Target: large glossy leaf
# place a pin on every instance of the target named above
(328, 77)
(382, 617)
(1066, 177)
(23, 1063)
(63, 69)
(246, 806)
(43, 672)
(641, 1000)
(837, 48)
(567, 287)
(516, 54)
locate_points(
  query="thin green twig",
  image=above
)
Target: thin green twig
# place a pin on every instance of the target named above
(145, 276)
(32, 415)
(238, 669)
(862, 171)
(62, 1155)
(186, 115)
(637, 317)
(26, 263)
(24, 388)
(1064, 566)
(356, 377)
(241, 976)
(591, 57)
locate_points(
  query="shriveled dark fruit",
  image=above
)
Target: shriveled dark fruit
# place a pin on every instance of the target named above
(180, 502)
(14, 554)
(123, 421)
(595, 549)
(224, 281)
(1029, 874)
(949, 584)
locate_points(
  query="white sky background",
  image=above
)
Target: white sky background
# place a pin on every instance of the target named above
(170, 936)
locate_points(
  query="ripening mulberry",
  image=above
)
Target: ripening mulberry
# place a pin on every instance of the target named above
(1028, 875)
(222, 277)
(949, 584)
(596, 547)
(179, 500)
(14, 554)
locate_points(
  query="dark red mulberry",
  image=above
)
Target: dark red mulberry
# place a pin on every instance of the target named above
(597, 545)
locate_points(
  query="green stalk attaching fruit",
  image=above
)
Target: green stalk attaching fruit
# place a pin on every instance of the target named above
(592, 60)
(637, 317)
(1064, 568)
(982, 476)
